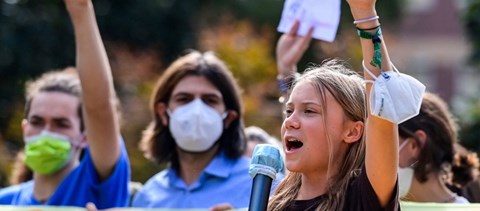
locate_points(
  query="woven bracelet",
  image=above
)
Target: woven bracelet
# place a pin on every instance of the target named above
(282, 85)
(376, 40)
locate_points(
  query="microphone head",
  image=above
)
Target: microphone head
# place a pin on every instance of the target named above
(266, 160)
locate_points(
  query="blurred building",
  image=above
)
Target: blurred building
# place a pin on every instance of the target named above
(430, 43)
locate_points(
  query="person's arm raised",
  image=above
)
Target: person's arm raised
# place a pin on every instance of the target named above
(381, 159)
(289, 50)
(101, 121)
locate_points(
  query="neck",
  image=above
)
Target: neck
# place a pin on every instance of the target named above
(316, 182)
(313, 185)
(433, 190)
(46, 185)
(193, 164)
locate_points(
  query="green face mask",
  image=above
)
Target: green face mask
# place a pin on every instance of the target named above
(47, 153)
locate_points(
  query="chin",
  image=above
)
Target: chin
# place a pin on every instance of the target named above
(292, 167)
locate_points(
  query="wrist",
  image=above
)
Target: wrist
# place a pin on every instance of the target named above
(285, 71)
(79, 15)
(362, 13)
(285, 82)
(368, 25)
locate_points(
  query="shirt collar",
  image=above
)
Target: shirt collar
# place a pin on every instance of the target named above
(220, 166)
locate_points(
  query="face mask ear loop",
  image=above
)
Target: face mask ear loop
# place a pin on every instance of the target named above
(413, 164)
(368, 71)
(403, 144)
(224, 115)
(395, 69)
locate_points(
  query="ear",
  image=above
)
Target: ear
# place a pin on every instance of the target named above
(354, 132)
(231, 116)
(83, 140)
(161, 111)
(414, 147)
(422, 138)
(24, 123)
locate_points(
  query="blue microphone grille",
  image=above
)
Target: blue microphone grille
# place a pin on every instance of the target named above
(266, 160)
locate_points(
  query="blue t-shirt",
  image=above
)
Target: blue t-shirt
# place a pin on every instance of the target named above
(222, 181)
(79, 187)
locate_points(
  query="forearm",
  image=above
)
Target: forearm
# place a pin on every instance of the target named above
(92, 61)
(367, 45)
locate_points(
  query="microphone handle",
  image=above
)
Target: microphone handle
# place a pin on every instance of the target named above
(260, 193)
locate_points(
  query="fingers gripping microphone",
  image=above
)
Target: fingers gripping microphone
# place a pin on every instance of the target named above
(265, 164)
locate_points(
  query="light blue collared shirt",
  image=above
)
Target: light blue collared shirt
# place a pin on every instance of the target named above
(222, 181)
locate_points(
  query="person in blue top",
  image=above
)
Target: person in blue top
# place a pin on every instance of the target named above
(198, 131)
(66, 112)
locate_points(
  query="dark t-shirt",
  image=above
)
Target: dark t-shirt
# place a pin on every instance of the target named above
(360, 196)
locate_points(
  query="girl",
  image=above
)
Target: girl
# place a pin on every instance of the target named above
(337, 159)
(427, 155)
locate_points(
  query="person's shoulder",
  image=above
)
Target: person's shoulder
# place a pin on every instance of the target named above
(7, 194)
(461, 200)
(156, 185)
(241, 161)
(158, 180)
(240, 164)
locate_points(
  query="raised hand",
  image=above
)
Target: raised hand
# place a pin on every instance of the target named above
(290, 49)
(362, 4)
(77, 7)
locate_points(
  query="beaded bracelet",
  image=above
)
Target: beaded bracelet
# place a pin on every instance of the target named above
(377, 52)
(286, 82)
(282, 85)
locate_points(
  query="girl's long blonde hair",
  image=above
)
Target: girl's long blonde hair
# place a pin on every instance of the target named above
(347, 88)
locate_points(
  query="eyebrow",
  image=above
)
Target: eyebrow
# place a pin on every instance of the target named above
(181, 94)
(56, 119)
(306, 103)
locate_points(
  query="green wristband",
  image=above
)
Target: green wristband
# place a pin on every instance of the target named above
(377, 52)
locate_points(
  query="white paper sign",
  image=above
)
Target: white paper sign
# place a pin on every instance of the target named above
(323, 15)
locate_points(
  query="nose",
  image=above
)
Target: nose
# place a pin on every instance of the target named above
(48, 127)
(291, 122)
(198, 104)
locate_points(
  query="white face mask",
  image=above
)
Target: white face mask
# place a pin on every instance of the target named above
(405, 176)
(195, 126)
(395, 96)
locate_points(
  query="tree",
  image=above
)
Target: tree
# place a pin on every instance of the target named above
(472, 26)
(470, 132)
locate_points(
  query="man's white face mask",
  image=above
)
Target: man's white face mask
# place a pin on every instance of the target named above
(196, 126)
(395, 96)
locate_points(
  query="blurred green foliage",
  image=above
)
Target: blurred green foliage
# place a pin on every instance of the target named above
(470, 133)
(142, 37)
(472, 26)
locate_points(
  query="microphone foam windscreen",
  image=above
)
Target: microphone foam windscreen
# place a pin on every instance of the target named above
(266, 160)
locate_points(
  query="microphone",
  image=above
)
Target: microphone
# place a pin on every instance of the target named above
(266, 162)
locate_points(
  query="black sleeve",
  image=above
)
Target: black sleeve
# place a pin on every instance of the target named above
(362, 197)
